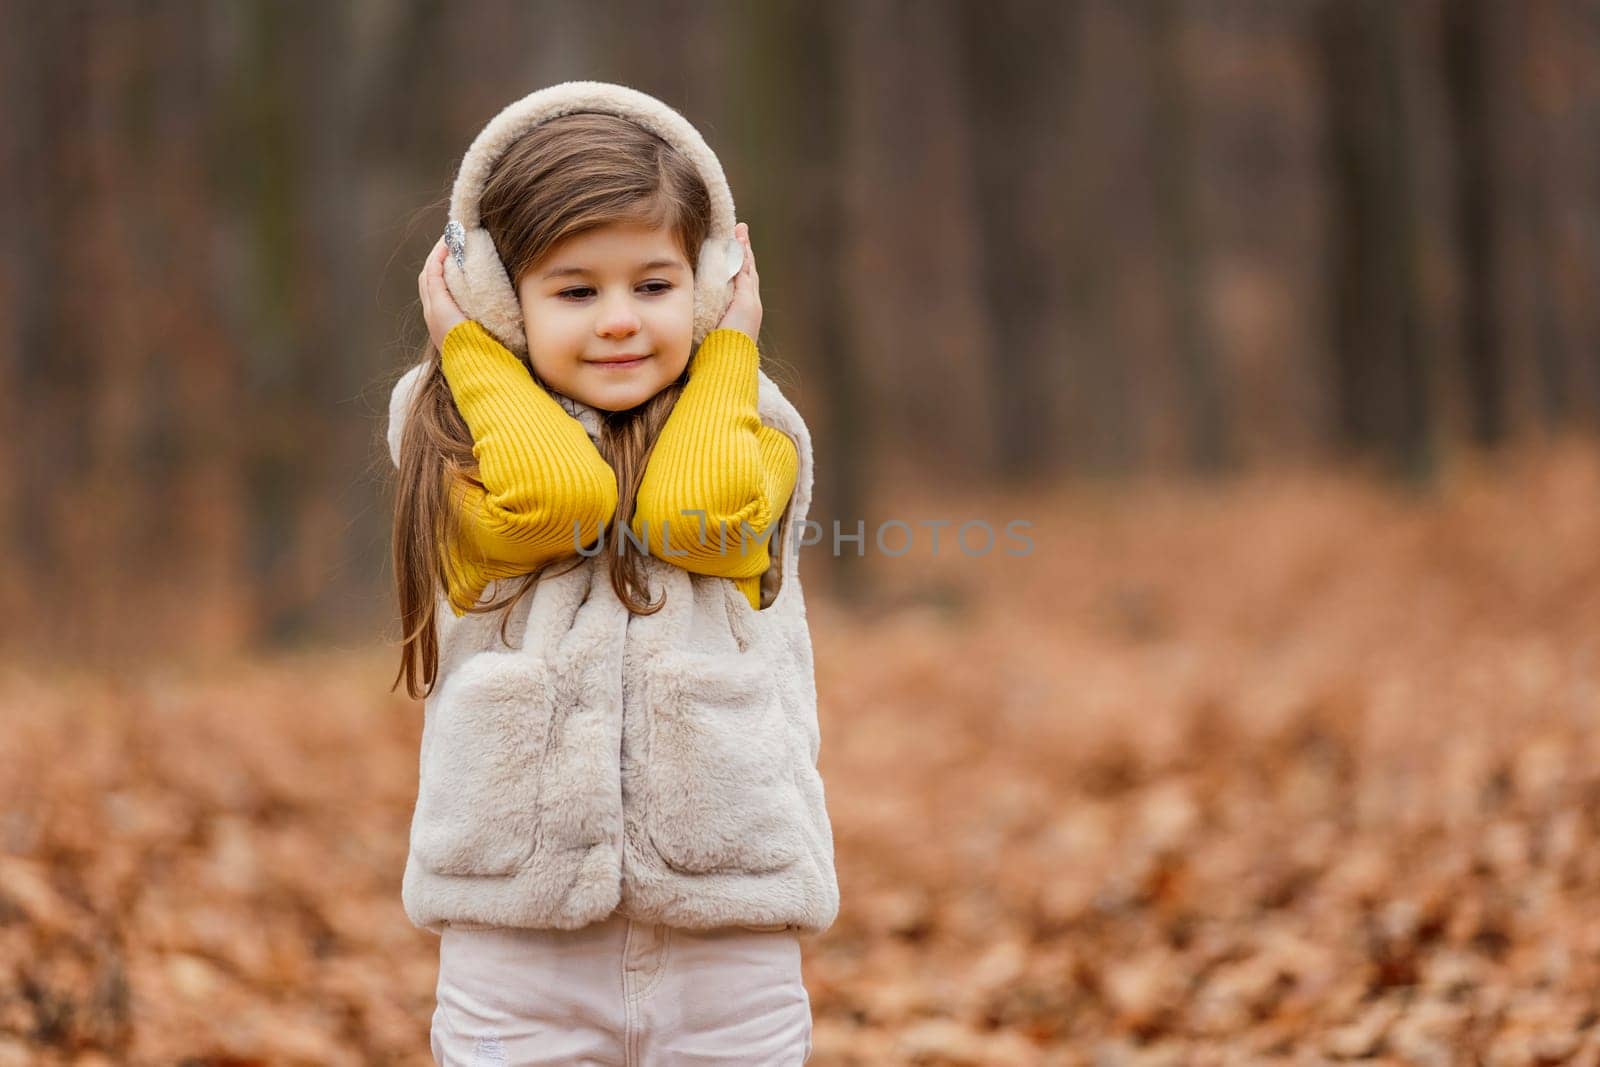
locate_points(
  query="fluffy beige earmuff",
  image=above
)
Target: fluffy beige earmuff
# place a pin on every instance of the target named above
(478, 279)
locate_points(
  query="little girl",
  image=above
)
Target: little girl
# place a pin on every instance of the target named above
(620, 831)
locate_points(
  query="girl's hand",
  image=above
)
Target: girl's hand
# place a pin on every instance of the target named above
(744, 313)
(439, 309)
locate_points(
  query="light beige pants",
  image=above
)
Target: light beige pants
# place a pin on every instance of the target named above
(620, 993)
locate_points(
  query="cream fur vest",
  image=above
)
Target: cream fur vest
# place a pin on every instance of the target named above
(663, 766)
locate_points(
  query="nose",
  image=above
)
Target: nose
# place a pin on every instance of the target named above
(617, 319)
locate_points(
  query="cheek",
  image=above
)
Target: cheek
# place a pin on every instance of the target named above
(556, 325)
(680, 312)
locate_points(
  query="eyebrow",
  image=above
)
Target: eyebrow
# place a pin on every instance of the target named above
(654, 264)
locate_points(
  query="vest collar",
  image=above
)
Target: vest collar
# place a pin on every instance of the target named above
(588, 416)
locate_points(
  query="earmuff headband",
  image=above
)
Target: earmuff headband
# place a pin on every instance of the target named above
(477, 278)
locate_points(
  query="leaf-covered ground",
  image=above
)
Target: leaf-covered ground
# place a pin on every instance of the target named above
(1295, 770)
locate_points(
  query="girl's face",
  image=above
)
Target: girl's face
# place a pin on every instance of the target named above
(618, 290)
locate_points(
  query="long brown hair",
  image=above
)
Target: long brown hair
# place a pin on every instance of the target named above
(564, 177)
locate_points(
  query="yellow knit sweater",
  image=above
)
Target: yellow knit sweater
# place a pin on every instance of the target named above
(546, 488)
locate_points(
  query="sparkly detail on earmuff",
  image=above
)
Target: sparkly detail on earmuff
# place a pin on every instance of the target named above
(455, 239)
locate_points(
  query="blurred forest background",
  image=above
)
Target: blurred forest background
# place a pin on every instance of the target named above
(1275, 318)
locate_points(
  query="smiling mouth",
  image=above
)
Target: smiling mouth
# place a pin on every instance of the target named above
(618, 364)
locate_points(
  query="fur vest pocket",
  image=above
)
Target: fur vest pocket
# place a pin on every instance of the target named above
(719, 768)
(477, 799)
(720, 765)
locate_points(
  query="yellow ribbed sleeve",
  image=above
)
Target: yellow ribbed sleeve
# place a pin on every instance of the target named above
(546, 488)
(716, 456)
